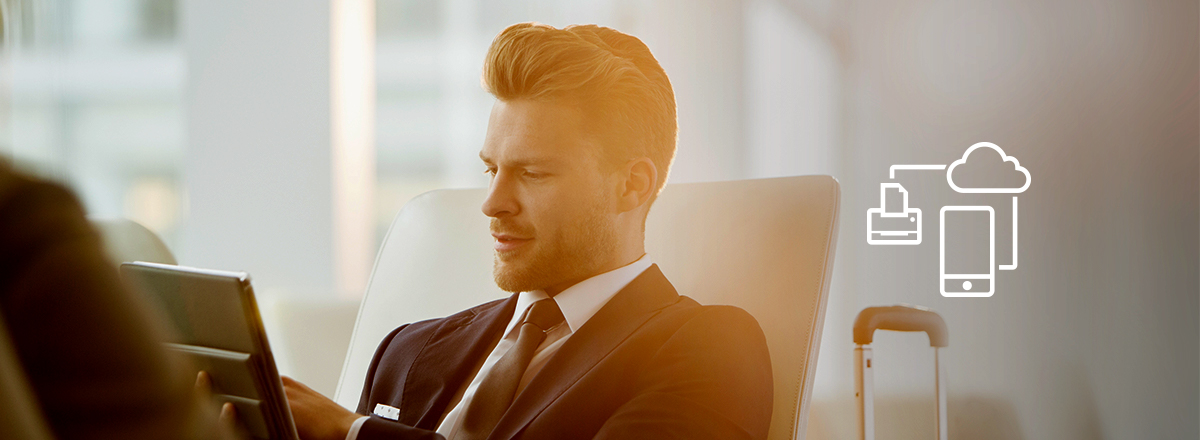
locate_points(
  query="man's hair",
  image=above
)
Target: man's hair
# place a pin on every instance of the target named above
(624, 94)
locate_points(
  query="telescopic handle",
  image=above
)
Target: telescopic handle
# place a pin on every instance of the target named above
(900, 318)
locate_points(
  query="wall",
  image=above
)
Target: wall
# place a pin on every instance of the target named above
(258, 163)
(1095, 334)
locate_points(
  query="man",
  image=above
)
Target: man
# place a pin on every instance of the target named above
(595, 343)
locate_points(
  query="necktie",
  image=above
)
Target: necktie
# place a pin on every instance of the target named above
(497, 390)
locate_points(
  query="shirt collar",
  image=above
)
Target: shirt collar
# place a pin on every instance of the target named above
(582, 300)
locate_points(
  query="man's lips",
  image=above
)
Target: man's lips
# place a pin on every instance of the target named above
(505, 242)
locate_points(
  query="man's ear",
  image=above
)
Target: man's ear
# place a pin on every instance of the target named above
(639, 180)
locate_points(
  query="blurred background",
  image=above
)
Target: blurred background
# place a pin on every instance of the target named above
(281, 138)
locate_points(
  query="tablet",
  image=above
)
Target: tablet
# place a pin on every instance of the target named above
(218, 327)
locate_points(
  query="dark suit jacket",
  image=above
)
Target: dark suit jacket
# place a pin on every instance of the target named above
(650, 364)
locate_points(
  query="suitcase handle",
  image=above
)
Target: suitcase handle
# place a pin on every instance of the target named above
(901, 318)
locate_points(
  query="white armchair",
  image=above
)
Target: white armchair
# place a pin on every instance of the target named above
(126, 240)
(763, 245)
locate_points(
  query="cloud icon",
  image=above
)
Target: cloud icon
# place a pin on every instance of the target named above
(986, 165)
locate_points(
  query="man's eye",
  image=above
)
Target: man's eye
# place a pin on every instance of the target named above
(490, 172)
(533, 175)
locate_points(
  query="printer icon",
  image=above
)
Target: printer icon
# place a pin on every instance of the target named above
(893, 222)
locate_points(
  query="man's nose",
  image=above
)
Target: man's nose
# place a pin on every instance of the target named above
(501, 200)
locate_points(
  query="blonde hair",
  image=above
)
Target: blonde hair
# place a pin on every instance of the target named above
(612, 77)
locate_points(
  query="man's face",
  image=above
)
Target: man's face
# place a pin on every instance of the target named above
(552, 205)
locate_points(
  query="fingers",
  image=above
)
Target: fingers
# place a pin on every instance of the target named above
(229, 414)
(203, 383)
(229, 418)
(292, 385)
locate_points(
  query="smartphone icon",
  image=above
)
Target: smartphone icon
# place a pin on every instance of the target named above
(968, 261)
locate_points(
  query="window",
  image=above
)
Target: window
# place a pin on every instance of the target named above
(96, 104)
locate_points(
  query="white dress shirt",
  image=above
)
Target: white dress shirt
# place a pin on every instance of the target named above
(578, 303)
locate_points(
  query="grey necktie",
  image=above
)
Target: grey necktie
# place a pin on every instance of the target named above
(497, 390)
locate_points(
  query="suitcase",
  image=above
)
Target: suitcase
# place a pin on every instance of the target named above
(902, 318)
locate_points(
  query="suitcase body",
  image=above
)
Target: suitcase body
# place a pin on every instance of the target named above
(895, 318)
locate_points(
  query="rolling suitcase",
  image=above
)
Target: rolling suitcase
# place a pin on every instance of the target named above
(896, 318)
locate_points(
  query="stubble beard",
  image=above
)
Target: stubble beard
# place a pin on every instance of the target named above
(576, 254)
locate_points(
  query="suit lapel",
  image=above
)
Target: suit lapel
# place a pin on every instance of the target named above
(449, 359)
(620, 317)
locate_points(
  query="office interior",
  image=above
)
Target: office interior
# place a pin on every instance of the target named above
(282, 139)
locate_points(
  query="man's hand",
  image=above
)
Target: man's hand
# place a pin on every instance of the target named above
(228, 418)
(317, 417)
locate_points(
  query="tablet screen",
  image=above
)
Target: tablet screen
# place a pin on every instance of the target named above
(218, 328)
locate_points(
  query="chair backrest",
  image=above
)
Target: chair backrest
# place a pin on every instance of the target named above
(763, 245)
(126, 240)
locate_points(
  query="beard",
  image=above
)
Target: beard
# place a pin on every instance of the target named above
(575, 253)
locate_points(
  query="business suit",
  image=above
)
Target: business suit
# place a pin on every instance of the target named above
(649, 364)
